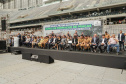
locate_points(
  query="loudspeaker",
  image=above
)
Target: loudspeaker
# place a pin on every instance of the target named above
(2, 45)
(45, 59)
(26, 56)
(3, 25)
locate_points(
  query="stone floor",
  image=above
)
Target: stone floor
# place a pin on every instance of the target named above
(14, 70)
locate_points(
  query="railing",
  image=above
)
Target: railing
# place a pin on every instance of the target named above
(115, 29)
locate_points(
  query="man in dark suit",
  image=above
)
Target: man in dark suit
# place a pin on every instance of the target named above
(121, 38)
(74, 42)
(22, 39)
(94, 43)
(48, 44)
(30, 43)
(52, 34)
(102, 43)
(76, 33)
(53, 44)
(19, 36)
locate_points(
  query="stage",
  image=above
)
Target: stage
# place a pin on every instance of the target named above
(98, 59)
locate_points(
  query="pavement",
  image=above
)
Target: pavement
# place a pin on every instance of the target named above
(15, 70)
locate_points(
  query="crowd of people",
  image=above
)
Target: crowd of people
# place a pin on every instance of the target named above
(76, 43)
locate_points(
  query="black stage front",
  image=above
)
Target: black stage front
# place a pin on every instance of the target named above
(104, 59)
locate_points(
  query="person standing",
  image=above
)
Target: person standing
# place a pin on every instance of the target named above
(52, 34)
(76, 33)
(121, 38)
(19, 36)
(22, 39)
(68, 34)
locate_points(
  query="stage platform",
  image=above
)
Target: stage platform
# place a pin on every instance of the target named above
(98, 59)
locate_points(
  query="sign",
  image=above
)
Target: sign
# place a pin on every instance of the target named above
(16, 42)
(82, 26)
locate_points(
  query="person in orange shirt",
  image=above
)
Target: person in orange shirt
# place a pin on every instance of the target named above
(86, 43)
(41, 42)
(45, 41)
(34, 41)
(107, 36)
(80, 40)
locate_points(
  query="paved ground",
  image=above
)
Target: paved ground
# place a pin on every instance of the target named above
(14, 70)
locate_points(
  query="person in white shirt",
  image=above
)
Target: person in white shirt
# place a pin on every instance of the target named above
(113, 43)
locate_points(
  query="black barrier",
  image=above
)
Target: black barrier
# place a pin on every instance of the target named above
(45, 59)
(2, 45)
(105, 60)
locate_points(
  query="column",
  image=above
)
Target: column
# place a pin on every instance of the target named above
(16, 4)
(5, 4)
(31, 3)
(1, 5)
(34, 3)
(20, 3)
(24, 3)
(12, 4)
(40, 2)
(9, 4)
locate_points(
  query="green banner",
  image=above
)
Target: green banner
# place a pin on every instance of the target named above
(69, 27)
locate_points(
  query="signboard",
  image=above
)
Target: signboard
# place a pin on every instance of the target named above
(16, 42)
(87, 27)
